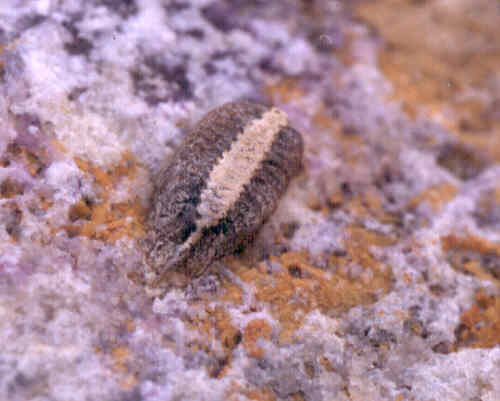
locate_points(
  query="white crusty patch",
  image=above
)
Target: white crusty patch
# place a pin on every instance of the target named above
(236, 168)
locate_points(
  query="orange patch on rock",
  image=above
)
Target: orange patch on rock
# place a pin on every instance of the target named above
(106, 220)
(322, 120)
(436, 196)
(45, 203)
(10, 188)
(59, 146)
(257, 328)
(34, 162)
(121, 358)
(261, 395)
(369, 205)
(256, 394)
(216, 325)
(80, 210)
(480, 325)
(302, 287)
(371, 202)
(327, 365)
(346, 137)
(440, 76)
(129, 382)
(107, 179)
(290, 295)
(227, 333)
(473, 255)
(286, 90)
(232, 293)
(345, 53)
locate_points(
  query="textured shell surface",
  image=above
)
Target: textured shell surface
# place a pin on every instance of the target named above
(220, 186)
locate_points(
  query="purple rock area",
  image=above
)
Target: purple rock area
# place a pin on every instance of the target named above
(378, 276)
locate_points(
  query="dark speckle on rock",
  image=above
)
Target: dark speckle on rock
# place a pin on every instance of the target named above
(220, 15)
(125, 8)
(196, 33)
(267, 64)
(79, 45)
(174, 6)
(209, 68)
(463, 161)
(175, 84)
(75, 93)
(12, 220)
(29, 20)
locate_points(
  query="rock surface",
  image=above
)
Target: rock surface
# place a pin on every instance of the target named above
(378, 276)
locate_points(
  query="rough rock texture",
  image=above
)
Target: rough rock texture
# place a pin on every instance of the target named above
(378, 278)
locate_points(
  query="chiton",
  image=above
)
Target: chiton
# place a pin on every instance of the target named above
(220, 186)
